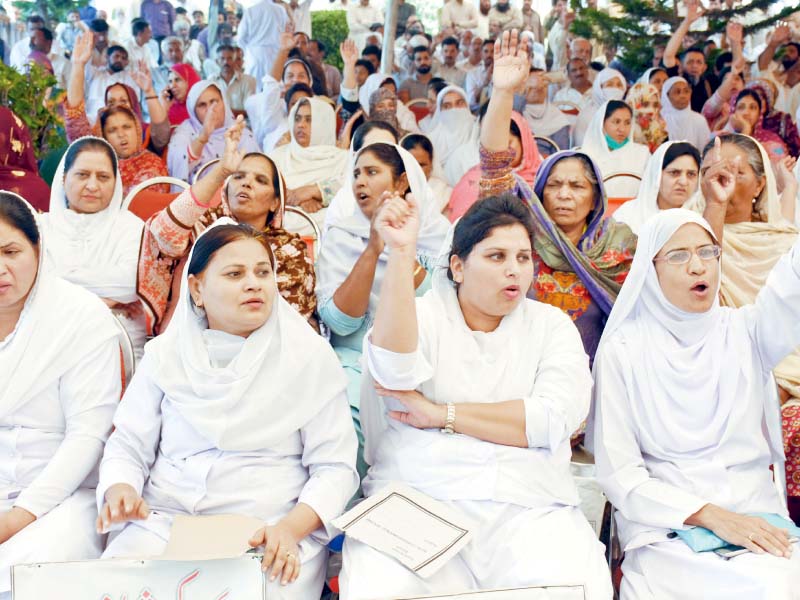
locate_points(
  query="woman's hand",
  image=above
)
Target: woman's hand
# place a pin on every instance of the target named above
(122, 504)
(82, 51)
(215, 109)
(142, 77)
(420, 412)
(784, 174)
(719, 179)
(232, 156)
(349, 52)
(734, 32)
(511, 62)
(397, 221)
(281, 552)
(753, 533)
(13, 521)
(166, 98)
(347, 130)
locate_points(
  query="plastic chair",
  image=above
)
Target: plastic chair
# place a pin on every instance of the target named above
(614, 202)
(312, 241)
(546, 145)
(419, 106)
(201, 171)
(127, 357)
(568, 108)
(145, 203)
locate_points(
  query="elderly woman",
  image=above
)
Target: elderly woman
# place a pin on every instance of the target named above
(686, 422)
(92, 241)
(649, 127)
(59, 364)
(252, 193)
(311, 164)
(238, 408)
(581, 258)
(182, 78)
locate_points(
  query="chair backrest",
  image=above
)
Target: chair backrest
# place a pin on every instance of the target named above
(568, 108)
(202, 170)
(312, 241)
(614, 202)
(145, 203)
(546, 145)
(127, 357)
(419, 106)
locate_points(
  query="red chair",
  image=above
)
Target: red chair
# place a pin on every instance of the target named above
(419, 107)
(145, 203)
(312, 241)
(614, 202)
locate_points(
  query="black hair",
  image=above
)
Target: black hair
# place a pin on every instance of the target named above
(513, 129)
(14, 213)
(35, 19)
(688, 51)
(485, 216)
(116, 48)
(296, 33)
(418, 49)
(487, 42)
(795, 44)
(615, 105)
(297, 87)
(753, 94)
(675, 151)
(371, 51)
(276, 183)
(48, 35)
(98, 26)
(437, 84)
(656, 70)
(388, 155)
(450, 41)
(181, 11)
(722, 58)
(114, 110)
(138, 26)
(727, 70)
(88, 144)
(417, 140)
(226, 48)
(320, 46)
(224, 28)
(363, 129)
(216, 238)
(363, 62)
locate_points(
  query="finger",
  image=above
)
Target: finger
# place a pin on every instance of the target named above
(143, 511)
(297, 566)
(103, 518)
(279, 562)
(270, 551)
(258, 538)
(717, 149)
(779, 533)
(288, 569)
(768, 542)
(399, 415)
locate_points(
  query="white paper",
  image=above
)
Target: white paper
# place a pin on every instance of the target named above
(194, 537)
(559, 592)
(414, 529)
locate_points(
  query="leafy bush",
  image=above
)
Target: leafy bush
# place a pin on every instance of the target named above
(330, 27)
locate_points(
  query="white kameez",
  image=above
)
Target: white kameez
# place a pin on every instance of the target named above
(258, 34)
(60, 376)
(212, 420)
(532, 531)
(662, 454)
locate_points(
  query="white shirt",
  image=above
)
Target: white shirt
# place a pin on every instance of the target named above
(359, 20)
(452, 75)
(301, 16)
(19, 54)
(463, 15)
(475, 80)
(96, 89)
(239, 89)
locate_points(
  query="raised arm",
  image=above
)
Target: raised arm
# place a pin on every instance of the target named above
(780, 36)
(787, 185)
(81, 55)
(693, 12)
(349, 52)
(143, 78)
(717, 184)
(287, 44)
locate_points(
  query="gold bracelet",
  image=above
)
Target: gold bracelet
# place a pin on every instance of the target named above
(417, 270)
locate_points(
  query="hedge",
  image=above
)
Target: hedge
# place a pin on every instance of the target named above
(330, 27)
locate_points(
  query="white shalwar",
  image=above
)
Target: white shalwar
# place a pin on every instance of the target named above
(258, 33)
(669, 440)
(213, 423)
(525, 500)
(60, 374)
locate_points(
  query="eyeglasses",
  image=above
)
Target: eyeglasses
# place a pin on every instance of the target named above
(681, 257)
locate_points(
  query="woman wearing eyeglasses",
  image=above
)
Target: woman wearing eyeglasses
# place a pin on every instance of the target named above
(686, 421)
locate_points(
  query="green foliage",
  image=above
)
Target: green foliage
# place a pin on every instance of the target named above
(330, 27)
(645, 24)
(30, 96)
(49, 9)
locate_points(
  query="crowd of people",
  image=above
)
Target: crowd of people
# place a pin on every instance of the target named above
(449, 271)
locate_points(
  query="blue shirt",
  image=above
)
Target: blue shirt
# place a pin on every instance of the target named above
(160, 15)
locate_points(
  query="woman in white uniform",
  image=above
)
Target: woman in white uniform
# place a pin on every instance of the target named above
(480, 390)
(686, 415)
(91, 240)
(60, 383)
(239, 407)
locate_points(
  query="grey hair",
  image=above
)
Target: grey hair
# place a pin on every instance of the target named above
(756, 162)
(168, 40)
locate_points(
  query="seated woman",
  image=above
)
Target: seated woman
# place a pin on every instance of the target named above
(544, 118)
(59, 364)
(717, 109)
(747, 110)
(311, 164)
(686, 423)
(655, 76)
(19, 171)
(780, 123)
(524, 165)
(682, 122)
(238, 408)
(475, 357)
(669, 181)
(201, 137)
(758, 230)
(352, 260)
(421, 148)
(453, 133)
(609, 143)
(155, 135)
(609, 84)
(182, 78)
(649, 127)
(580, 258)
(379, 81)
(91, 240)
(252, 193)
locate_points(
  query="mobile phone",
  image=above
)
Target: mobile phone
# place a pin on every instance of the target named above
(729, 552)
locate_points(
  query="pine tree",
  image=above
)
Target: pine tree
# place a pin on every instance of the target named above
(645, 24)
(49, 9)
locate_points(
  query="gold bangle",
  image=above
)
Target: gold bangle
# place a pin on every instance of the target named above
(417, 270)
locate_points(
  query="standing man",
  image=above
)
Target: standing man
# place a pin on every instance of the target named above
(139, 50)
(42, 41)
(449, 70)
(416, 86)
(360, 18)
(161, 16)
(259, 34)
(71, 30)
(459, 15)
(507, 16)
(300, 14)
(480, 77)
(20, 50)
(237, 87)
(531, 21)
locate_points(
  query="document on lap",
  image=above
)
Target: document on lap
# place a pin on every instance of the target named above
(414, 529)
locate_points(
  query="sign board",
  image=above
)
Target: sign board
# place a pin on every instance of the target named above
(238, 578)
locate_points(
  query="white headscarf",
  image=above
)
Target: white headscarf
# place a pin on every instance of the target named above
(684, 124)
(685, 367)
(544, 119)
(178, 156)
(348, 234)
(321, 160)
(60, 325)
(451, 130)
(281, 377)
(595, 143)
(87, 249)
(645, 78)
(599, 93)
